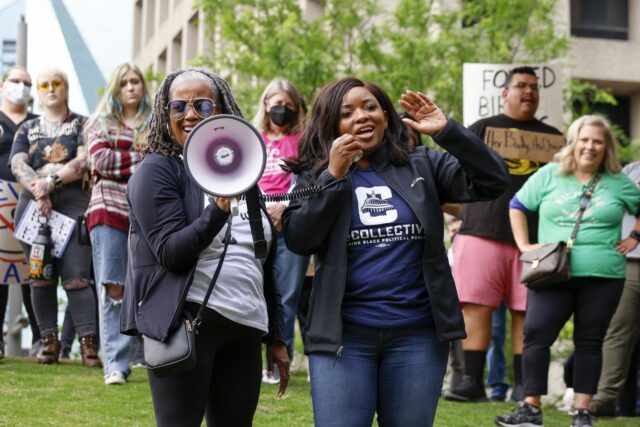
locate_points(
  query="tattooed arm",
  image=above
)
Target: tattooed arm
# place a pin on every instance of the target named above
(71, 171)
(23, 172)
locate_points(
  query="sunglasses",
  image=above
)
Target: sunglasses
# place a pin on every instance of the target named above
(55, 84)
(203, 107)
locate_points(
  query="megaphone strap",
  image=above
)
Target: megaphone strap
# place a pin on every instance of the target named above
(255, 221)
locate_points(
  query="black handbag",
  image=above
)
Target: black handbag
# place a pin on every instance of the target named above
(550, 264)
(177, 353)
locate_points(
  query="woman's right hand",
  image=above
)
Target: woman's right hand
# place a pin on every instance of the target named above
(44, 206)
(41, 188)
(344, 150)
(529, 247)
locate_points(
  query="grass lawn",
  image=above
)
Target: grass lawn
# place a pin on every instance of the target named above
(68, 394)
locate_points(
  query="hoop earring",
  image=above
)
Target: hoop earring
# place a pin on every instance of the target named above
(169, 131)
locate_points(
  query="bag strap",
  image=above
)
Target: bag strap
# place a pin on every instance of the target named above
(227, 236)
(584, 202)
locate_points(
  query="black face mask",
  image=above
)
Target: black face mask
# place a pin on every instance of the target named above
(281, 115)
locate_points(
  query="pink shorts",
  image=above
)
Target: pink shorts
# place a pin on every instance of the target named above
(487, 272)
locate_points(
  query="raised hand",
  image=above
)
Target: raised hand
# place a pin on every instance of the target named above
(429, 118)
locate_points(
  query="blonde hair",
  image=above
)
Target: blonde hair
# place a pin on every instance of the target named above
(261, 119)
(565, 157)
(55, 71)
(111, 105)
(109, 109)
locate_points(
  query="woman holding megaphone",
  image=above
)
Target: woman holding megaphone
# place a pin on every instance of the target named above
(384, 304)
(178, 238)
(280, 120)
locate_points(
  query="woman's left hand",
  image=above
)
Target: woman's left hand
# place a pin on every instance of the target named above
(277, 354)
(429, 118)
(627, 245)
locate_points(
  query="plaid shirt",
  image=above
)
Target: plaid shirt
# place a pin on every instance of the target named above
(112, 163)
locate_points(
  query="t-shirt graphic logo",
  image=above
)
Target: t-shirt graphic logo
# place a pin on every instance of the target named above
(374, 207)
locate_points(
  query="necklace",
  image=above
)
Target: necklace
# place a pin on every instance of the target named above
(51, 127)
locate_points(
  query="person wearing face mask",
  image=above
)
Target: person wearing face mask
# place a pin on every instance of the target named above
(16, 93)
(384, 305)
(280, 120)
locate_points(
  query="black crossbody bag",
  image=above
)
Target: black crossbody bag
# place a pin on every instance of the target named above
(550, 264)
(177, 353)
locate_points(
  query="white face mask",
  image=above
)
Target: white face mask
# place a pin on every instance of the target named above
(17, 93)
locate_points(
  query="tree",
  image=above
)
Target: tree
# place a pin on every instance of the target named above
(419, 45)
(263, 39)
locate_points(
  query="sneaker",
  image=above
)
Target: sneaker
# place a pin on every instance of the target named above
(274, 378)
(524, 416)
(115, 377)
(469, 390)
(602, 407)
(582, 418)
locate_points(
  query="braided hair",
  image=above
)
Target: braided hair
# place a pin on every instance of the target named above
(159, 139)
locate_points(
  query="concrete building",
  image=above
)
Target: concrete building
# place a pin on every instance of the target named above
(604, 38)
(605, 50)
(10, 12)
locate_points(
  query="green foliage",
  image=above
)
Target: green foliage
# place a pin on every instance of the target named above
(630, 152)
(419, 45)
(153, 79)
(582, 97)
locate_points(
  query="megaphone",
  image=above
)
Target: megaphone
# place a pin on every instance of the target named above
(224, 155)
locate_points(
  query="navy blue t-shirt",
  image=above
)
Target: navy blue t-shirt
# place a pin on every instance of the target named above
(385, 286)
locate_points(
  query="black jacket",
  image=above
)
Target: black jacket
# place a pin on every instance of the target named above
(169, 229)
(320, 224)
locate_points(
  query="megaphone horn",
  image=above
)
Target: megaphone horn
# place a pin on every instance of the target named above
(225, 155)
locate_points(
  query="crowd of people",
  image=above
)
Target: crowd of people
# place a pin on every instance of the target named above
(389, 305)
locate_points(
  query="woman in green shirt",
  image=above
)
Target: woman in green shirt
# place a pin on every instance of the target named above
(597, 261)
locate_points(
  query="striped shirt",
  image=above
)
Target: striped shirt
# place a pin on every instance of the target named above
(112, 163)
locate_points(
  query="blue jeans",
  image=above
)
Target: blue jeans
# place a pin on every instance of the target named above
(397, 373)
(496, 364)
(290, 270)
(110, 267)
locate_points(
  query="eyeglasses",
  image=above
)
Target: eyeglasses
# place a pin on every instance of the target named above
(203, 107)
(18, 81)
(55, 84)
(522, 86)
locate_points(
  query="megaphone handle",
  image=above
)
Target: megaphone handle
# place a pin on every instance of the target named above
(235, 210)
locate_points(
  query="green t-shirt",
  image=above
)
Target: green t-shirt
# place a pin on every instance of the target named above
(557, 198)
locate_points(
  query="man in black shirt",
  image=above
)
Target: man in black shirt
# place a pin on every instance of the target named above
(486, 259)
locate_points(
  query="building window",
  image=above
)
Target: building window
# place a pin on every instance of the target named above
(606, 19)
(176, 52)
(8, 46)
(150, 19)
